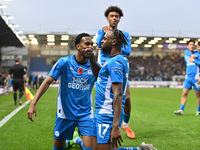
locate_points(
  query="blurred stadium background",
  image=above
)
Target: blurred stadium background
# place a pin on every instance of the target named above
(155, 61)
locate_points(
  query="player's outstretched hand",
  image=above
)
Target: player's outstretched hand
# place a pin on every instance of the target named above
(31, 111)
(191, 59)
(194, 56)
(116, 138)
(106, 28)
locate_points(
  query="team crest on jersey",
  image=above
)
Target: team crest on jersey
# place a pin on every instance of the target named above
(57, 133)
(80, 70)
(89, 71)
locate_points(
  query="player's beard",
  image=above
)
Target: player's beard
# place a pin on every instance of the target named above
(84, 54)
(107, 49)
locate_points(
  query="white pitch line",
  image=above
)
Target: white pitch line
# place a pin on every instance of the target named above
(6, 118)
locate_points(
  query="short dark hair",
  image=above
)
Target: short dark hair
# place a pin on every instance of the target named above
(113, 8)
(17, 59)
(191, 40)
(79, 37)
(120, 37)
(198, 43)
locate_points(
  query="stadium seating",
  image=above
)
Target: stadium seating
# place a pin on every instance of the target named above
(38, 64)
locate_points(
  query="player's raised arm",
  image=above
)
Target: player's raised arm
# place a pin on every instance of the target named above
(196, 61)
(94, 66)
(100, 36)
(45, 85)
(127, 49)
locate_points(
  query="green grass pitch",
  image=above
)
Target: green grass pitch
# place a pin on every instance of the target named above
(152, 120)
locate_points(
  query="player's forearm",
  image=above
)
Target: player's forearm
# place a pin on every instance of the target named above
(94, 66)
(117, 102)
(100, 37)
(44, 86)
(127, 49)
(117, 107)
(196, 62)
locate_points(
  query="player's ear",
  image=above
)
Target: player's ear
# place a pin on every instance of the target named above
(114, 41)
(77, 46)
(107, 19)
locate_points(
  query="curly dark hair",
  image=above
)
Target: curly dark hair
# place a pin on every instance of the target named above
(113, 8)
(79, 37)
(120, 37)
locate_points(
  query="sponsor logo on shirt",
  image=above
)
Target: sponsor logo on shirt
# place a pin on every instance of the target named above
(79, 83)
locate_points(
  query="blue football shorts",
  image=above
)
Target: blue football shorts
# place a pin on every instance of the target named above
(102, 128)
(189, 82)
(64, 128)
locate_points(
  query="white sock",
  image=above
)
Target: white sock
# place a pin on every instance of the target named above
(125, 124)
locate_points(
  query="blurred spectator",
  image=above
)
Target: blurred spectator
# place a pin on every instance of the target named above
(41, 79)
(30, 80)
(155, 68)
(35, 82)
(1, 79)
(33, 79)
(3, 75)
(142, 68)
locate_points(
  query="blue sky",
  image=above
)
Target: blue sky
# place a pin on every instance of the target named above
(141, 17)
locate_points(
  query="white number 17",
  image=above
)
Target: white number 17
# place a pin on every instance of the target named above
(103, 125)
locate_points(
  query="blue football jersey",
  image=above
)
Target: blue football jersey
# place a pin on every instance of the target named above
(102, 57)
(115, 69)
(192, 69)
(75, 89)
(187, 52)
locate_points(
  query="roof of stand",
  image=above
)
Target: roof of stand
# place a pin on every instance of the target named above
(7, 36)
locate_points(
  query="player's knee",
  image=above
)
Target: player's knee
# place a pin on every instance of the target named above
(185, 94)
(87, 144)
(59, 144)
(61, 148)
(198, 94)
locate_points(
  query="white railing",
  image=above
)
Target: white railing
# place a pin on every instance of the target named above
(155, 84)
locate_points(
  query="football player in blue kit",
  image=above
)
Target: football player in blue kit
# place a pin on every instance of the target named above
(113, 15)
(192, 77)
(110, 93)
(74, 99)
